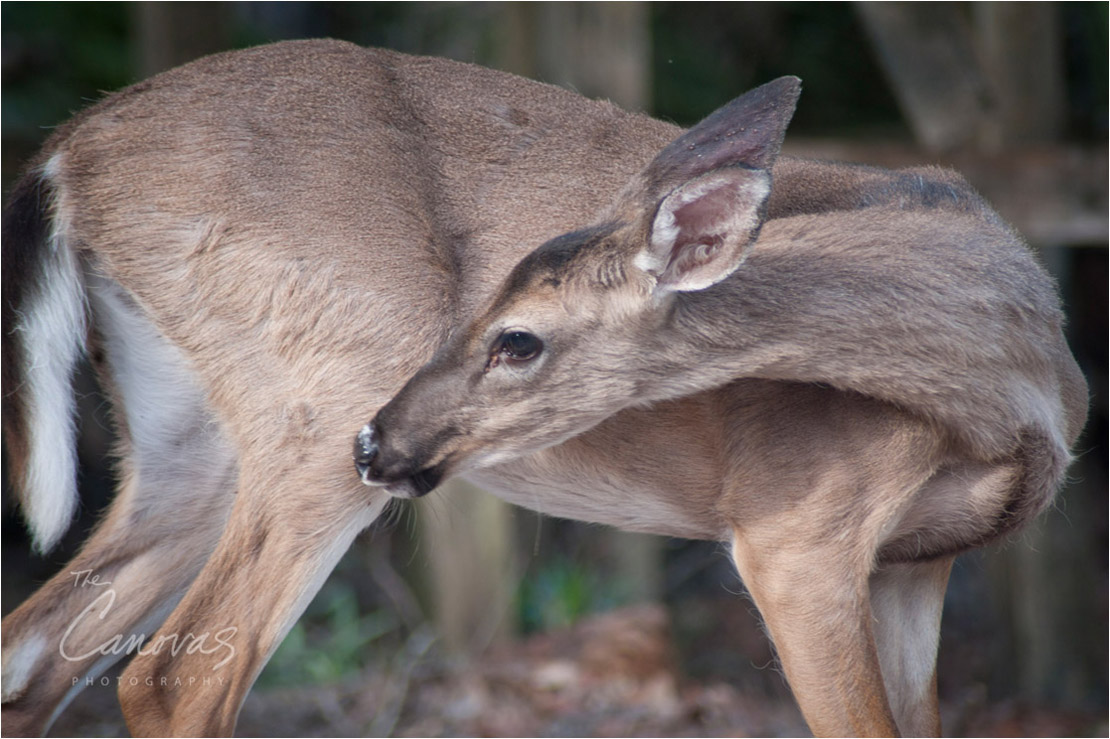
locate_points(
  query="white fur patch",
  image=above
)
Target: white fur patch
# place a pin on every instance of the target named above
(161, 397)
(52, 330)
(906, 602)
(178, 449)
(701, 266)
(664, 232)
(19, 665)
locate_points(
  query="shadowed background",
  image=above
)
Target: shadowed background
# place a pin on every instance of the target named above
(463, 595)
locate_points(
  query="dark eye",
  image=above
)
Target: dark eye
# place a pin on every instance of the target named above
(519, 346)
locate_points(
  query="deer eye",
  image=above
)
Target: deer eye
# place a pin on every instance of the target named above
(519, 346)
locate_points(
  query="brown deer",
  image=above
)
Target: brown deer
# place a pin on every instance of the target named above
(848, 374)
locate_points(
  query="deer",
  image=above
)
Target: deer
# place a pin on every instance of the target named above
(315, 278)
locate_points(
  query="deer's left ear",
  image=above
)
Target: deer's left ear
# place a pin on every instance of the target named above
(707, 190)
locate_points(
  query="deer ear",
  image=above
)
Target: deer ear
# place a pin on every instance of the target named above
(707, 190)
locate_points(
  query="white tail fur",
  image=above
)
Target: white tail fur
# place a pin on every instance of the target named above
(52, 333)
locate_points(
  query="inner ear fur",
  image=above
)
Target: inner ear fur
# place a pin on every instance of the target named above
(701, 229)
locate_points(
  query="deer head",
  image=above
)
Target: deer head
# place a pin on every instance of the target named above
(571, 336)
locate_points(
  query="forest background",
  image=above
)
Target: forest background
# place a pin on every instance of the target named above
(1012, 94)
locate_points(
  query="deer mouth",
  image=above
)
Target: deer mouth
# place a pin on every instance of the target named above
(417, 485)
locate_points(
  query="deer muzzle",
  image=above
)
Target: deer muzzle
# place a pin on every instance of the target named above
(377, 466)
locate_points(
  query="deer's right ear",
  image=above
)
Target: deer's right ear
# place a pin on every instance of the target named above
(707, 190)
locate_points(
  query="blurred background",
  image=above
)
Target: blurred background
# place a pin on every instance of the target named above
(462, 616)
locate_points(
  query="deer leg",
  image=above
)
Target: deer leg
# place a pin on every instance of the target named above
(179, 476)
(285, 534)
(121, 585)
(906, 600)
(815, 605)
(809, 512)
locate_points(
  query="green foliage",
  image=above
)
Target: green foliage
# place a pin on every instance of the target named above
(708, 53)
(330, 642)
(56, 54)
(561, 592)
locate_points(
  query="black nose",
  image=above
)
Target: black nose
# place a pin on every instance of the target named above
(366, 450)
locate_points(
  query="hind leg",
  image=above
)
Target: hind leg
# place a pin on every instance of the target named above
(128, 576)
(906, 603)
(957, 509)
(168, 513)
(811, 502)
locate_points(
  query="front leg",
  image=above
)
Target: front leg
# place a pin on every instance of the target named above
(286, 533)
(814, 601)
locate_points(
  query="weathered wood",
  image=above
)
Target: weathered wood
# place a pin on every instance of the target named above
(466, 535)
(928, 54)
(168, 34)
(601, 50)
(1019, 49)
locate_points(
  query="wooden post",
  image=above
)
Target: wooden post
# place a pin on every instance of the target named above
(601, 50)
(1020, 52)
(927, 53)
(466, 535)
(169, 34)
